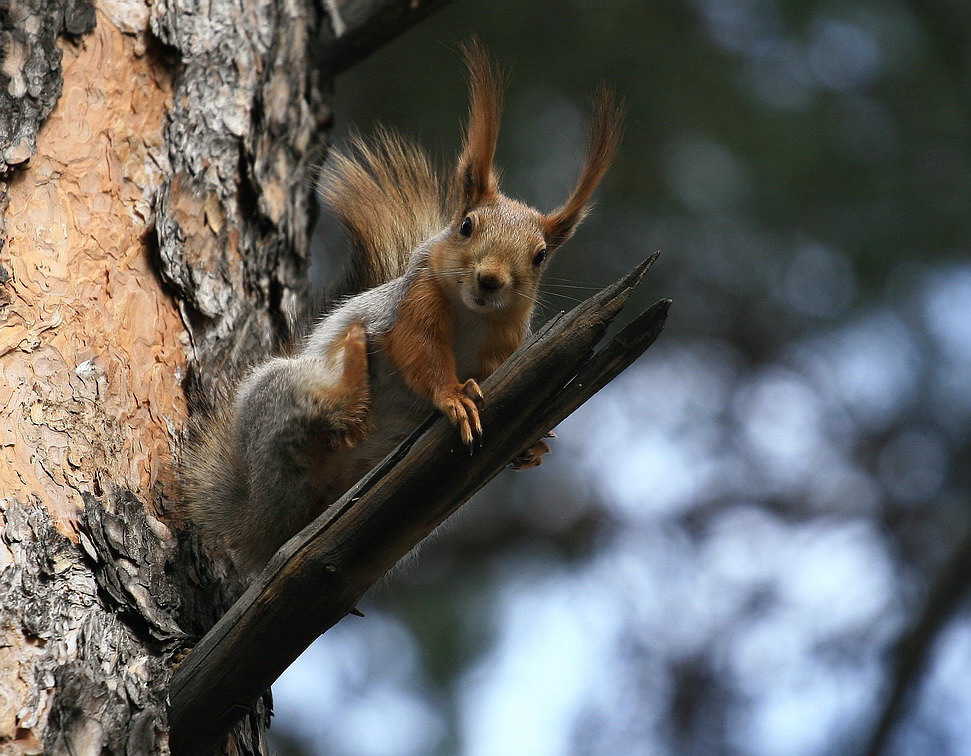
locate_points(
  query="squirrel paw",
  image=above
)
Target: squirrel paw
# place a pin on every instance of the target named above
(353, 397)
(355, 354)
(533, 456)
(460, 404)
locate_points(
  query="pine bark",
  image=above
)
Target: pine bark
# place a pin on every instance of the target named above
(155, 210)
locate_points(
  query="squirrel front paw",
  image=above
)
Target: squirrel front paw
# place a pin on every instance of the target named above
(460, 404)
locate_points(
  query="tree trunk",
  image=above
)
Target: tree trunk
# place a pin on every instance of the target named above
(154, 220)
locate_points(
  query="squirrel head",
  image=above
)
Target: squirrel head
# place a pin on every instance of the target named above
(496, 248)
(492, 256)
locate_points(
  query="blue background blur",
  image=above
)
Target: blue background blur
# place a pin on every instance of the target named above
(727, 544)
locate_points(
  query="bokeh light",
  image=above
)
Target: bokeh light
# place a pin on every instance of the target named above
(727, 544)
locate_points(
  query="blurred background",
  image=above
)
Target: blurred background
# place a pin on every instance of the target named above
(755, 541)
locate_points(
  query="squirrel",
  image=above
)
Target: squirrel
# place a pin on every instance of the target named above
(447, 270)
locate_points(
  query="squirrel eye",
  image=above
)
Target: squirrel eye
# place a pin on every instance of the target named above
(540, 257)
(466, 228)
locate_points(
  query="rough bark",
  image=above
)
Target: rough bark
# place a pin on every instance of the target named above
(90, 356)
(30, 77)
(155, 208)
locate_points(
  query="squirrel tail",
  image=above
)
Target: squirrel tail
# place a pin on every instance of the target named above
(212, 481)
(390, 197)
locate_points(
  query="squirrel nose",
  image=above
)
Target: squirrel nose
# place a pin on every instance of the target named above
(489, 281)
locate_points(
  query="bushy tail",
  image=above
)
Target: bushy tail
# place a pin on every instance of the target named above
(390, 197)
(213, 482)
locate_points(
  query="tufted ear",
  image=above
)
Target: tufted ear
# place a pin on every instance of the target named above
(477, 180)
(605, 131)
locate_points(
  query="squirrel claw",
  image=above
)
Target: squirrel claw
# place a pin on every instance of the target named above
(461, 405)
(471, 389)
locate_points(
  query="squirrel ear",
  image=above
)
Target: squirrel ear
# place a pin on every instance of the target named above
(605, 132)
(476, 177)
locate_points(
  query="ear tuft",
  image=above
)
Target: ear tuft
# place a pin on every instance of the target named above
(477, 179)
(605, 132)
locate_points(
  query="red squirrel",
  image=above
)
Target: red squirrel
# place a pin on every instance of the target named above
(448, 270)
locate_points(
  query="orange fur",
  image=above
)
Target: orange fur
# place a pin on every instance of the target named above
(505, 337)
(345, 406)
(390, 197)
(344, 410)
(420, 343)
(353, 393)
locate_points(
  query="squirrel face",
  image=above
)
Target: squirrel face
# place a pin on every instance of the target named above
(492, 257)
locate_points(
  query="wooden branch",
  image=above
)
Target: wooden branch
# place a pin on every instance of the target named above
(319, 575)
(361, 27)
